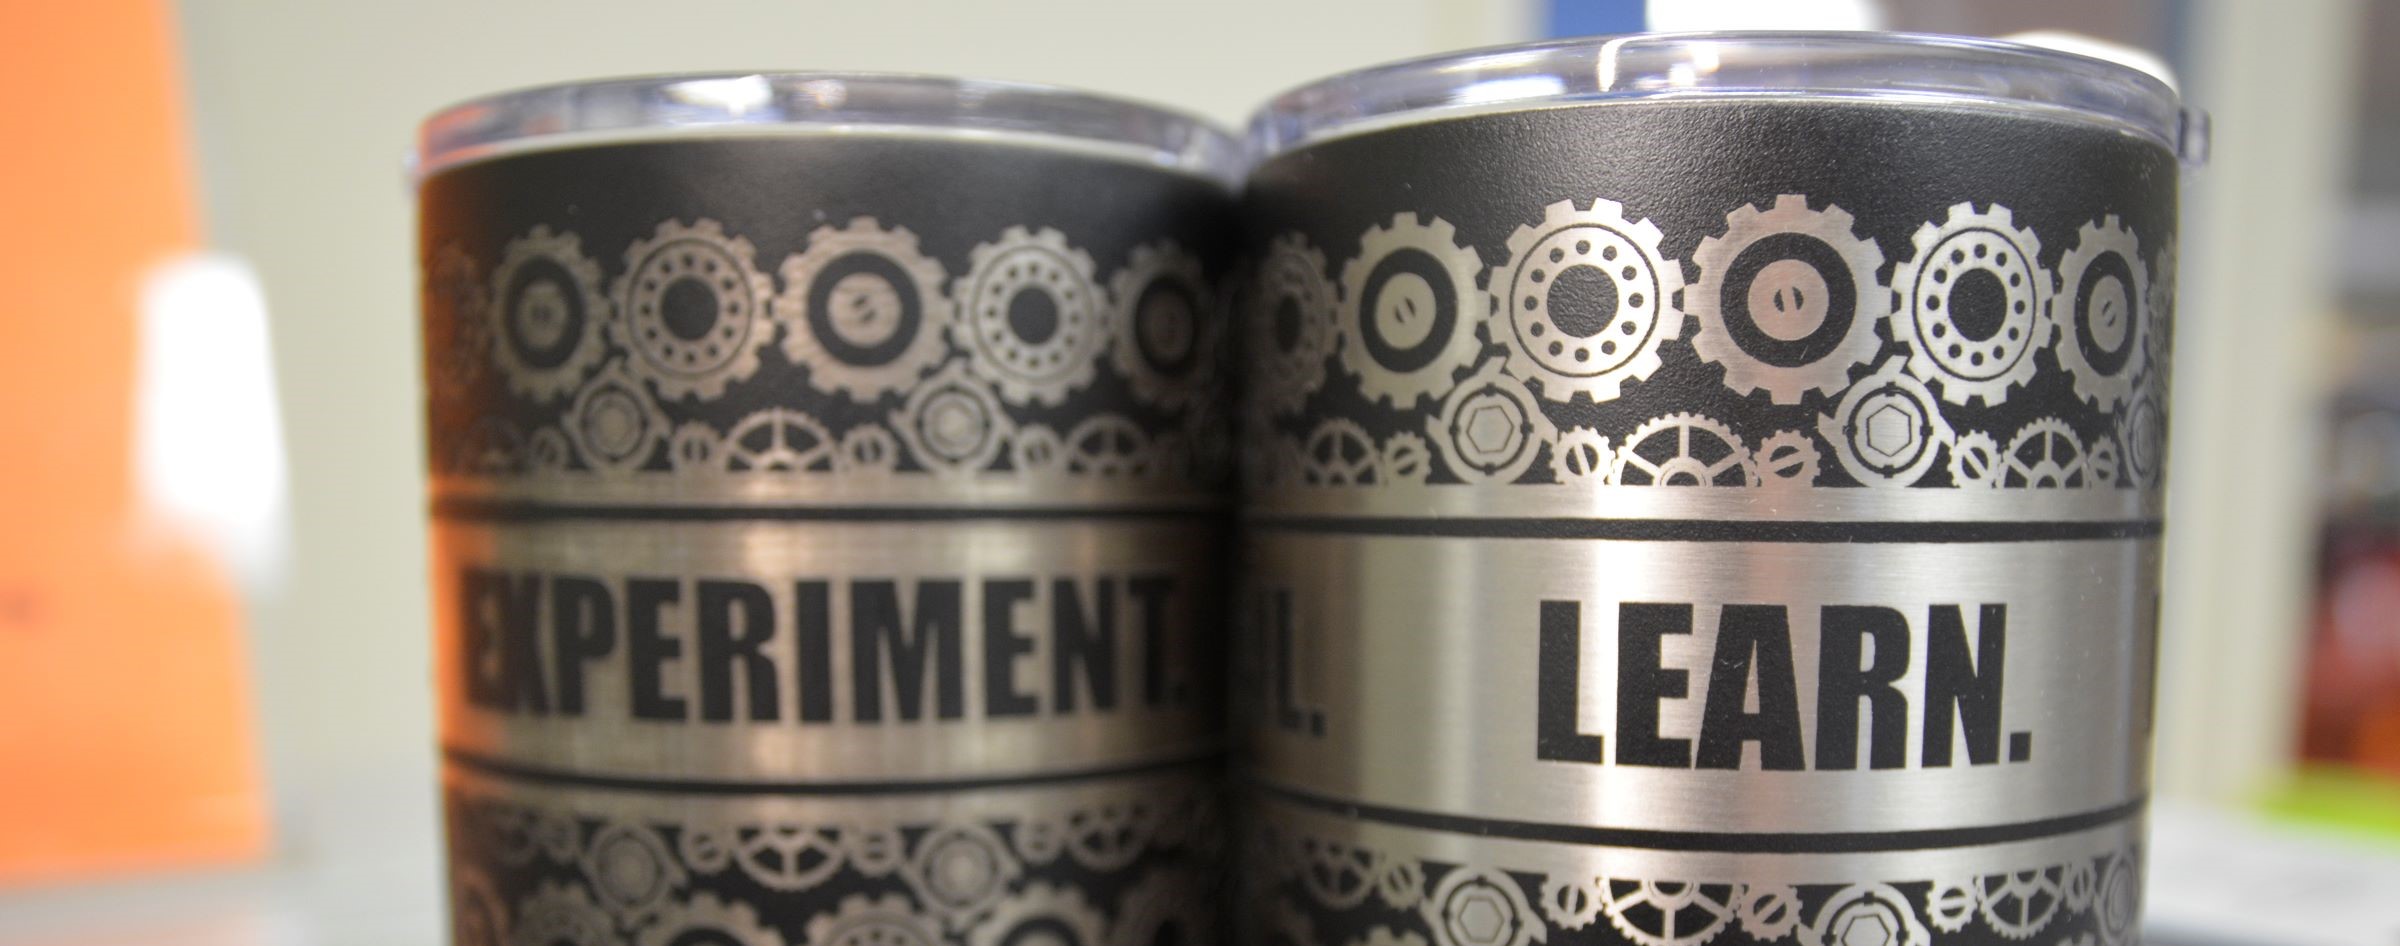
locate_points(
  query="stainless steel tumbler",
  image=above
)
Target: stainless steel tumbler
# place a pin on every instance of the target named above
(828, 484)
(1705, 488)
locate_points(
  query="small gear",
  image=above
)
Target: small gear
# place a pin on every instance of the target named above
(2144, 429)
(1481, 907)
(1490, 428)
(864, 309)
(2018, 905)
(1399, 881)
(861, 920)
(1409, 310)
(547, 314)
(1107, 445)
(1573, 902)
(547, 451)
(1951, 904)
(1405, 459)
(952, 423)
(1667, 913)
(1787, 299)
(867, 448)
(1339, 453)
(1768, 911)
(1787, 458)
(1866, 915)
(787, 856)
(779, 439)
(2079, 884)
(613, 422)
(1036, 449)
(1032, 320)
(706, 919)
(695, 446)
(1975, 460)
(1585, 301)
(693, 309)
(1581, 455)
(2045, 454)
(1972, 304)
(961, 870)
(2102, 313)
(875, 850)
(2101, 465)
(1167, 325)
(1888, 429)
(631, 869)
(458, 323)
(1290, 326)
(1044, 914)
(1168, 905)
(1682, 450)
(561, 915)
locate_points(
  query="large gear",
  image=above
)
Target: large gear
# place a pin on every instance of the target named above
(1410, 307)
(861, 920)
(1032, 318)
(1481, 907)
(706, 919)
(1585, 301)
(1888, 429)
(952, 423)
(1683, 450)
(2103, 313)
(1168, 324)
(1787, 299)
(1290, 326)
(1490, 427)
(693, 309)
(1972, 304)
(1042, 915)
(864, 309)
(547, 312)
(614, 424)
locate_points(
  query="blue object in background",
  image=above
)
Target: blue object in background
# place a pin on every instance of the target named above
(1588, 17)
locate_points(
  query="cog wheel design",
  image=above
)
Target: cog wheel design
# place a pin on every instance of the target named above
(1490, 427)
(693, 309)
(1037, 449)
(1042, 915)
(1032, 318)
(1951, 904)
(547, 451)
(1573, 903)
(1787, 299)
(2045, 454)
(1683, 450)
(706, 919)
(547, 314)
(786, 856)
(1339, 453)
(864, 309)
(1667, 913)
(1167, 344)
(2079, 885)
(952, 423)
(1585, 301)
(960, 870)
(559, 914)
(875, 850)
(1475, 907)
(861, 920)
(1166, 906)
(1290, 327)
(1972, 304)
(613, 422)
(1337, 874)
(1581, 455)
(1866, 915)
(2019, 905)
(1106, 445)
(1768, 912)
(631, 870)
(1405, 459)
(1399, 882)
(695, 446)
(779, 439)
(2101, 465)
(478, 917)
(1975, 461)
(867, 448)
(458, 322)
(1409, 310)
(1786, 458)
(2103, 313)
(706, 846)
(2144, 429)
(1888, 429)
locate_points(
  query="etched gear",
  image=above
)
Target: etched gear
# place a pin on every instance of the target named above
(1768, 911)
(1042, 915)
(787, 856)
(2101, 464)
(1866, 915)
(2103, 313)
(867, 448)
(547, 312)
(1337, 873)
(1290, 328)
(693, 309)
(1032, 318)
(1888, 429)
(695, 446)
(1951, 904)
(1481, 907)
(1405, 459)
(1585, 301)
(779, 439)
(960, 870)
(1972, 304)
(1573, 903)
(861, 920)
(1490, 428)
(875, 850)
(1399, 882)
(1975, 461)
(561, 915)
(1787, 299)
(1410, 306)
(458, 322)
(1339, 453)
(864, 309)
(548, 451)
(1107, 445)
(2144, 429)
(1169, 905)
(1667, 913)
(706, 846)
(2018, 905)
(631, 870)
(706, 919)
(1581, 455)
(613, 422)
(1037, 449)
(952, 423)
(1786, 458)
(2079, 884)
(1682, 450)
(2045, 454)
(1168, 325)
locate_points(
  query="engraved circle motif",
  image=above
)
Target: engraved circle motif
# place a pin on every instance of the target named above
(1409, 311)
(952, 423)
(694, 309)
(1888, 429)
(1032, 316)
(1490, 428)
(1787, 300)
(614, 425)
(1166, 339)
(1291, 326)
(547, 310)
(864, 309)
(1972, 304)
(2103, 313)
(1585, 301)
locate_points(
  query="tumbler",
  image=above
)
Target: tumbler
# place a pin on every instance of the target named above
(1705, 488)
(829, 492)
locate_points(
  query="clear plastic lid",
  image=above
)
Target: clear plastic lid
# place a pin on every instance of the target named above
(1904, 67)
(765, 103)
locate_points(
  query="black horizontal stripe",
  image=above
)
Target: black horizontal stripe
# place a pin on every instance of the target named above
(545, 775)
(530, 510)
(1836, 842)
(1714, 530)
